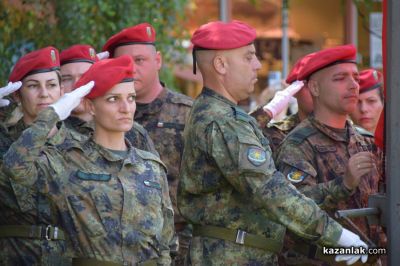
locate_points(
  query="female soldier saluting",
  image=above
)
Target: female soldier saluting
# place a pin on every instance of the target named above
(112, 198)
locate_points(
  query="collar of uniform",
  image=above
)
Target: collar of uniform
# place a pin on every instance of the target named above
(94, 150)
(331, 133)
(209, 92)
(16, 130)
(152, 107)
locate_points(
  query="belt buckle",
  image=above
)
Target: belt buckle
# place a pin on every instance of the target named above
(240, 236)
(47, 233)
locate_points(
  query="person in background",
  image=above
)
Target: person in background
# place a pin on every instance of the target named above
(370, 100)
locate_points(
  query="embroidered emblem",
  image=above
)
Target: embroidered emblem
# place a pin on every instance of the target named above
(148, 30)
(375, 74)
(53, 56)
(295, 177)
(256, 156)
(92, 53)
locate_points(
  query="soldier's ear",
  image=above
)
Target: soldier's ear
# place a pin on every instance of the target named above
(220, 64)
(89, 106)
(313, 87)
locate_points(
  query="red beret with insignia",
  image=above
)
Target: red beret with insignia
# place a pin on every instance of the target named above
(218, 35)
(39, 61)
(142, 33)
(326, 58)
(292, 77)
(370, 79)
(78, 53)
(106, 74)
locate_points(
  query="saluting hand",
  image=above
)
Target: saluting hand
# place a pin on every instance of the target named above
(7, 90)
(358, 165)
(69, 101)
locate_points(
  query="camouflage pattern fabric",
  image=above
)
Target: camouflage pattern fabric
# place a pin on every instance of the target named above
(113, 206)
(314, 158)
(137, 136)
(228, 179)
(32, 209)
(164, 119)
(277, 131)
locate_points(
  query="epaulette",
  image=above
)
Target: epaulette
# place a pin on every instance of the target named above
(363, 132)
(240, 114)
(180, 98)
(150, 156)
(299, 135)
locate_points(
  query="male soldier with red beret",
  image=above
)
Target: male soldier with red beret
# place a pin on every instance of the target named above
(75, 61)
(229, 190)
(160, 111)
(325, 157)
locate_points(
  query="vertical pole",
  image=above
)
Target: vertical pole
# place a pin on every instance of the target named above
(285, 39)
(225, 10)
(351, 32)
(392, 85)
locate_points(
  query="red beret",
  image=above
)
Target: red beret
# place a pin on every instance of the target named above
(328, 57)
(219, 35)
(78, 53)
(142, 33)
(292, 77)
(39, 61)
(370, 79)
(107, 73)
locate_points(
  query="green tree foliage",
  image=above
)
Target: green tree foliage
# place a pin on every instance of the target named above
(32, 24)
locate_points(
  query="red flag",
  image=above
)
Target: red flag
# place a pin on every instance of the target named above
(380, 129)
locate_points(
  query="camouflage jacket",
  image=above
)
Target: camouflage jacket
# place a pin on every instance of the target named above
(164, 119)
(34, 210)
(137, 136)
(113, 207)
(228, 179)
(314, 158)
(277, 131)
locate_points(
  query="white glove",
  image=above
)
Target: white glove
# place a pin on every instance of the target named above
(282, 98)
(103, 55)
(7, 90)
(349, 239)
(69, 101)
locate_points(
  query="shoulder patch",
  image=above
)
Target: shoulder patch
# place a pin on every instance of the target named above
(256, 156)
(299, 135)
(363, 132)
(295, 176)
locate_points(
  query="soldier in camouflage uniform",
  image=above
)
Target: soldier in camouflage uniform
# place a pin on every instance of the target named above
(27, 225)
(324, 156)
(112, 198)
(75, 61)
(229, 190)
(160, 111)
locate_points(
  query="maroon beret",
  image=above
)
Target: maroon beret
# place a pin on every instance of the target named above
(218, 35)
(142, 33)
(328, 57)
(292, 77)
(78, 53)
(370, 79)
(39, 61)
(106, 74)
